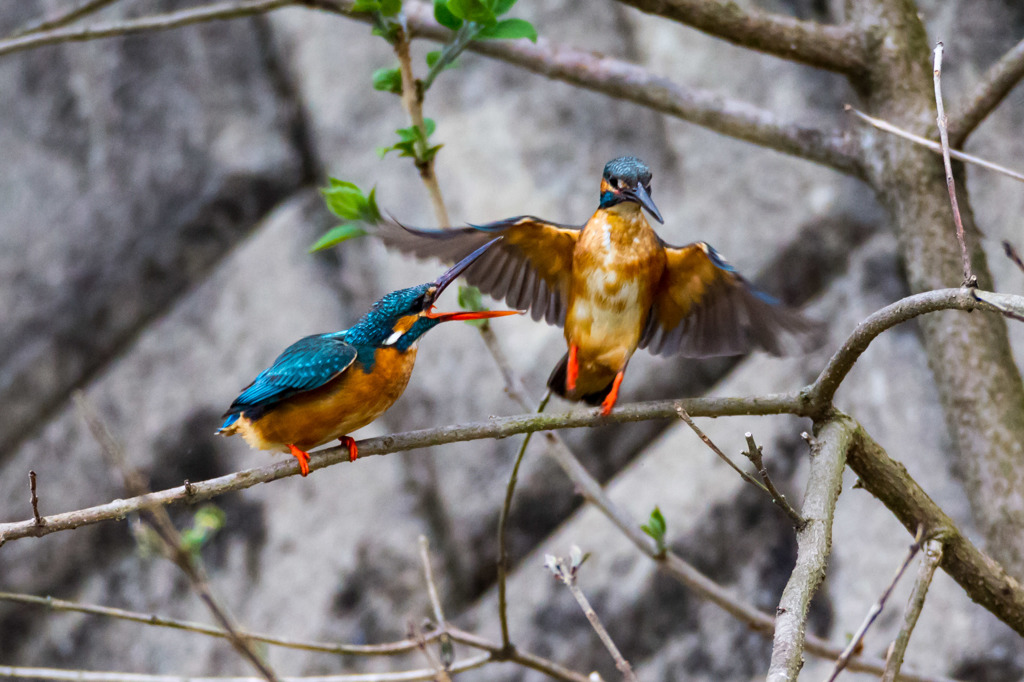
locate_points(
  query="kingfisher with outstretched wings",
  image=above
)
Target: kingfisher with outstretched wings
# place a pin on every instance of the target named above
(614, 286)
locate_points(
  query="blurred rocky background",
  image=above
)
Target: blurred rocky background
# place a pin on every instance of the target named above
(158, 195)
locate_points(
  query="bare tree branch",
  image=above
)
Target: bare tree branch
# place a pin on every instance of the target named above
(814, 542)
(34, 499)
(875, 610)
(821, 393)
(981, 577)
(389, 649)
(566, 571)
(969, 279)
(995, 85)
(934, 146)
(754, 454)
(929, 562)
(161, 22)
(62, 19)
(425, 675)
(836, 48)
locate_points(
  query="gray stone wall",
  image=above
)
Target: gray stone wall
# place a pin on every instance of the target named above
(157, 199)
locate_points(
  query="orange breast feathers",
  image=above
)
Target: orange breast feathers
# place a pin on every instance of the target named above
(617, 265)
(349, 402)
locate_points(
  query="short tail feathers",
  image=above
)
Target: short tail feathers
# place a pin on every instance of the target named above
(556, 382)
(228, 428)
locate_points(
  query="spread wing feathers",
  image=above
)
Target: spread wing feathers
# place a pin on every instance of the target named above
(307, 364)
(704, 307)
(529, 269)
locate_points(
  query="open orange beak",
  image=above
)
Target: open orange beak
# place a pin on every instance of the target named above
(470, 315)
(448, 277)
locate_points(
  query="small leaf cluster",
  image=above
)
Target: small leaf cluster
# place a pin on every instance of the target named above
(454, 13)
(206, 522)
(347, 201)
(656, 528)
(383, 12)
(414, 143)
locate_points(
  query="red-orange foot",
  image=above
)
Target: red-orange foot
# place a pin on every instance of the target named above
(350, 443)
(609, 400)
(303, 458)
(572, 369)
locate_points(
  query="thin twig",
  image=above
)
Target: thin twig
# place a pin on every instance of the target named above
(34, 499)
(721, 455)
(969, 279)
(159, 22)
(63, 19)
(412, 100)
(1012, 254)
(423, 675)
(876, 609)
(447, 652)
(930, 561)
(567, 573)
(995, 85)
(934, 146)
(159, 520)
(814, 542)
(389, 649)
(522, 658)
(506, 510)
(753, 453)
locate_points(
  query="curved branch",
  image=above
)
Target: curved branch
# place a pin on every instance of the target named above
(161, 22)
(821, 393)
(995, 85)
(67, 17)
(836, 48)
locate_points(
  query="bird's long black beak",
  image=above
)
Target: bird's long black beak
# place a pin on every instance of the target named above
(645, 200)
(450, 276)
(454, 271)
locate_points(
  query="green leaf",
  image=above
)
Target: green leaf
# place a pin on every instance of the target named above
(207, 520)
(435, 55)
(500, 7)
(509, 29)
(346, 200)
(388, 80)
(444, 16)
(471, 299)
(337, 235)
(656, 527)
(388, 8)
(472, 10)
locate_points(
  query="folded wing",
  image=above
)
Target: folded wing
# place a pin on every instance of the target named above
(529, 269)
(307, 364)
(704, 307)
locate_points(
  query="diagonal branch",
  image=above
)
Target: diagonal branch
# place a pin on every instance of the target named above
(836, 48)
(995, 85)
(63, 19)
(981, 577)
(160, 22)
(814, 543)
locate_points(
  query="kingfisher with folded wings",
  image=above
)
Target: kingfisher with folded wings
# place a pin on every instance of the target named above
(325, 385)
(615, 286)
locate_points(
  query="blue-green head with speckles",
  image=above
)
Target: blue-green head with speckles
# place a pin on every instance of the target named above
(400, 318)
(628, 179)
